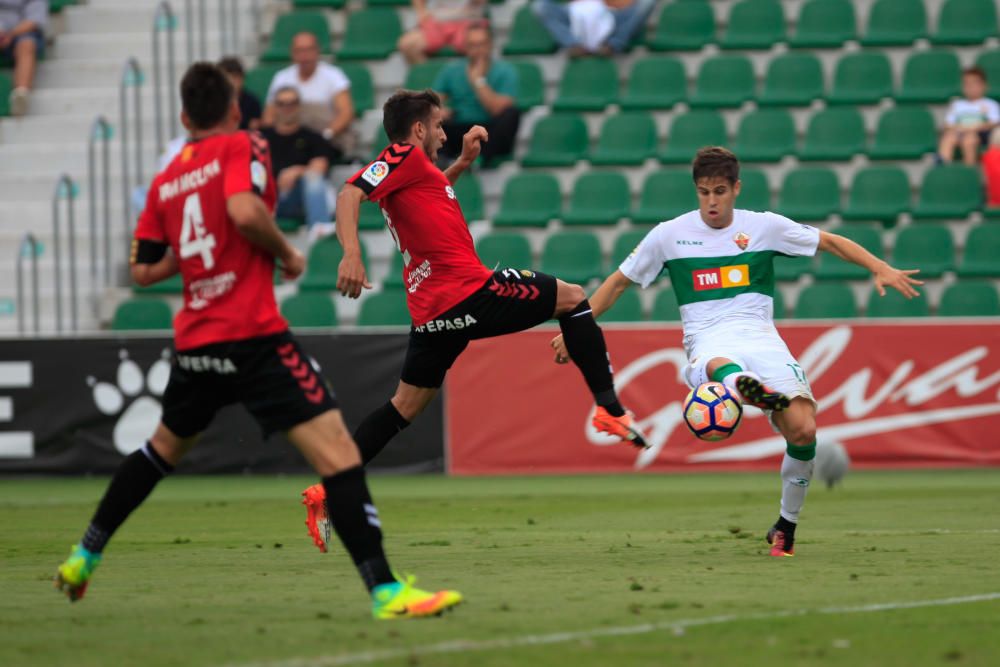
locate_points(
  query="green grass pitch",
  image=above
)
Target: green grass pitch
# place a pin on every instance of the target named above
(581, 571)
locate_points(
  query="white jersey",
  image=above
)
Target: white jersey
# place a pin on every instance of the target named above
(723, 278)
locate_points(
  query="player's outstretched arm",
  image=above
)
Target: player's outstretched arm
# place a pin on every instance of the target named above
(885, 275)
(600, 302)
(471, 145)
(254, 221)
(351, 276)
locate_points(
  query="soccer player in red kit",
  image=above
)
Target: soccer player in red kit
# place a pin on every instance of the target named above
(451, 296)
(209, 215)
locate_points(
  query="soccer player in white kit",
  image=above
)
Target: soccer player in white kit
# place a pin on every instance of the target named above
(720, 263)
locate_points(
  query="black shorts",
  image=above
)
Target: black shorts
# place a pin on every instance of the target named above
(511, 300)
(272, 376)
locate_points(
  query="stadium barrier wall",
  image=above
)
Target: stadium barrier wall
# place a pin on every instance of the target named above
(897, 395)
(79, 406)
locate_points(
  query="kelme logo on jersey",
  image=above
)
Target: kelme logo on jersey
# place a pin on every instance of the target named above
(375, 172)
(737, 275)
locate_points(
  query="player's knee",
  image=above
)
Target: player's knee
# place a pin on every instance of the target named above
(802, 435)
(570, 296)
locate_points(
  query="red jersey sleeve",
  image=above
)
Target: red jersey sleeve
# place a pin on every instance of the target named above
(150, 225)
(247, 167)
(390, 172)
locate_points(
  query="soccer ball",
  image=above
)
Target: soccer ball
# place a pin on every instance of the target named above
(712, 412)
(832, 463)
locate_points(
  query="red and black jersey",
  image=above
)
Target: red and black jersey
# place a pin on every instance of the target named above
(228, 282)
(440, 265)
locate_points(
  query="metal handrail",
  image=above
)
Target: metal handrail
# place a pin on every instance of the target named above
(189, 23)
(29, 243)
(65, 188)
(164, 21)
(131, 75)
(99, 130)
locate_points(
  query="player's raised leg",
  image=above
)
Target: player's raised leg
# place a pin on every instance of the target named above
(745, 384)
(798, 425)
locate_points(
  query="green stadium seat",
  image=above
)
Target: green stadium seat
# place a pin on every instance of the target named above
(529, 200)
(370, 217)
(691, 131)
(627, 138)
(724, 81)
(530, 85)
(528, 36)
(792, 79)
(657, 82)
(825, 301)
(469, 193)
(172, 285)
(665, 308)
(558, 140)
(314, 309)
(894, 304)
(6, 85)
(145, 314)
(925, 247)
(385, 308)
(388, 3)
(56, 6)
(628, 308)
(624, 244)
(878, 193)
(683, 26)
(832, 267)
(930, 76)
(989, 61)
(379, 141)
(422, 76)
(587, 84)
(319, 4)
(321, 267)
(290, 24)
(503, 249)
(824, 24)
(965, 22)
(778, 303)
(904, 133)
(394, 278)
(371, 34)
(982, 252)
(572, 256)
(970, 298)
(790, 269)
(949, 191)
(765, 135)
(861, 78)
(665, 195)
(755, 191)
(754, 24)
(362, 89)
(895, 23)
(599, 198)
(258, 79)
(809, 194)
(834, 134)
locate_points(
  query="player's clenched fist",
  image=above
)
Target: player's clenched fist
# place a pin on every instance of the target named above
(559, 345)
(351, 276)
(472, 142)
(293, 265)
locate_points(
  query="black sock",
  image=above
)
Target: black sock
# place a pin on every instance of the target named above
(785, 526)
(585, 344)
(377, 429)
(133, 481)
(355, 519)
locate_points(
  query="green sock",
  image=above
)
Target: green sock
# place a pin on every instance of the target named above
(801, 452)
(724, 371)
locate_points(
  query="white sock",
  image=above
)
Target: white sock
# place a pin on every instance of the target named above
(795, 476)
(730, 382)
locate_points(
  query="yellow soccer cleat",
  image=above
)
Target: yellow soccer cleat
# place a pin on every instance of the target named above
(401, 600)
(74, 574)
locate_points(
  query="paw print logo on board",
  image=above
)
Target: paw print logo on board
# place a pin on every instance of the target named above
(133, 396)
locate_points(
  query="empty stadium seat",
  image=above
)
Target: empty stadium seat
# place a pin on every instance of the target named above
(572, 256)
(423, 75)
(624, 244)
(989, 61)
(904, 133)
(527, 35)
(142, 314)
(970, 298)
(258, 79)
(657, 82)
(380, 141)
(309, 310)
(837, 133)
(558, 140)
(319, 4)
(469, 194)
(172, 285)
(792, 79)
(832, 267)
(925, 247)
(362, 89)
(598, 198)
(765, 135)
(790, 269)
(894, 304)
(930, 76)
(665, 195)
(965, 22)
(587, 84)
(665, 308)
(824, 24)
(861, 78)
(388, 3)
(755, 191)
(724, 81)
(370, 216)
(530, 85)
(809, 194)
(628, 308)
(982, 252)
(394, 278)
(290, 24)
(683, 26)
(626, 138)
(825, 300)
(689, 132)
(878, 193)
(384, 308)
(754, 24)
(895, 23)
(529, 200)
(949, 191)
(503, 249)
(321, 269)
(371, 34)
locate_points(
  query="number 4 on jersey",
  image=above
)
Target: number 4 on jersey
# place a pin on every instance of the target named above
(194, 240)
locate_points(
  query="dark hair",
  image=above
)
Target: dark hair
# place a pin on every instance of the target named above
(405, 108)
(232, 65)
(715, 162)
(975, 71)
(206, 95)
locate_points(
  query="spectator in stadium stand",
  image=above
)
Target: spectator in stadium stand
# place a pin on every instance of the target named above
(440, 23)
(299, 163)
(970, 119)
(22, 40)
(478, 90)
(249, 104)
(601, 27)
(325, 92)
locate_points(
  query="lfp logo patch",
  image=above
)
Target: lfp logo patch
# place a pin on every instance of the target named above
(376, 172)
(723, 277)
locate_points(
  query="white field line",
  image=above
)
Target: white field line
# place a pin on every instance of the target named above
(676, 627)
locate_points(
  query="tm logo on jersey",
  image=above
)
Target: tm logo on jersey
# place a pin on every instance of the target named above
(726, 276)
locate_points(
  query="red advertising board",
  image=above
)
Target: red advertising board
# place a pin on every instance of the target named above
(895, 394)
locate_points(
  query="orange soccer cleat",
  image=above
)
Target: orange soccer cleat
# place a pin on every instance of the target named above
(623, 427)
(317, 519)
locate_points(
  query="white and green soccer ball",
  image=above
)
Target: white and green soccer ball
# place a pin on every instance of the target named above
(832, 463)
